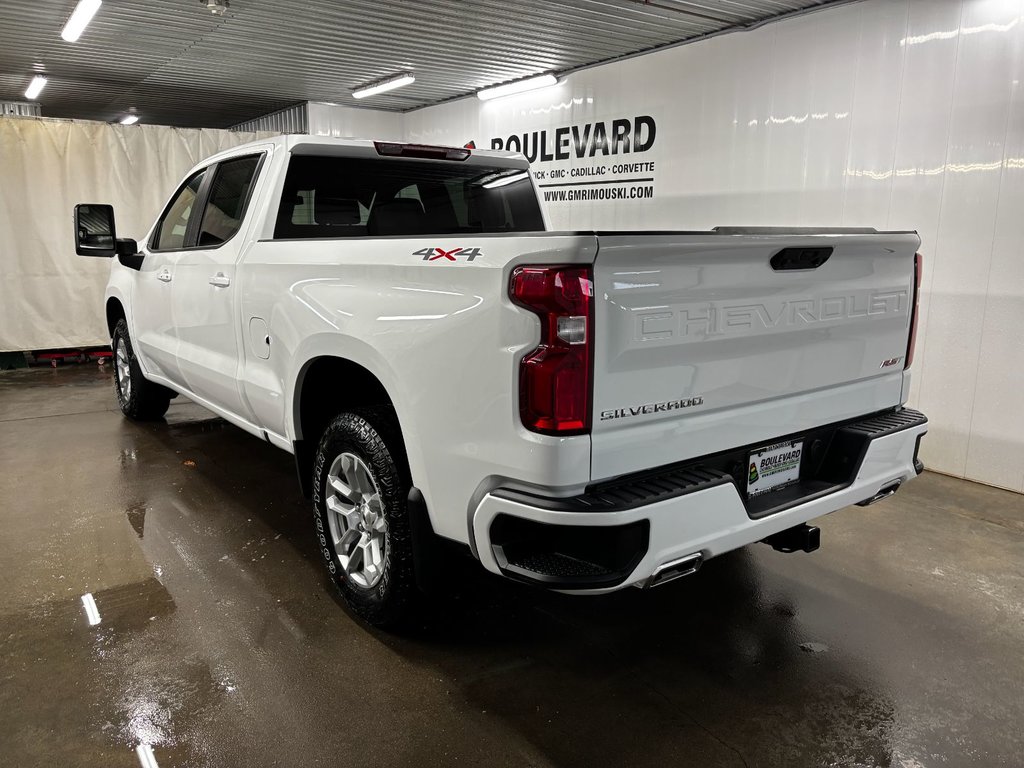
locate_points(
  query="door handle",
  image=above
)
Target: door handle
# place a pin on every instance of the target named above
(164, 277)
(220, 280)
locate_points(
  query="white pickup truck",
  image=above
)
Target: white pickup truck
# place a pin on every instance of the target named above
(583, 411)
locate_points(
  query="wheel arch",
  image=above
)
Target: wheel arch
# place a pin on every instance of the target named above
(325, 386)
(114, 311)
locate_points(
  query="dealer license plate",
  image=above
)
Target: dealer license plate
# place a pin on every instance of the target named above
(773, 467)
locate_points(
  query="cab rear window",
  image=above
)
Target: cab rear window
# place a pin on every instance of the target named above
(351, 197)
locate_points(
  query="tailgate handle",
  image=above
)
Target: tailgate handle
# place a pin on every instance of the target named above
(801, 258)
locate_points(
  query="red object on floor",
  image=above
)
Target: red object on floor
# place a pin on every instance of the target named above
(56, 357)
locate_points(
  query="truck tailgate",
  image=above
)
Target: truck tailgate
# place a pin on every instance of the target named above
(708, 342)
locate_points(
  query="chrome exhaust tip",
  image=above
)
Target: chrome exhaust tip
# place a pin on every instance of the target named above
(885, 493)
(675, 569)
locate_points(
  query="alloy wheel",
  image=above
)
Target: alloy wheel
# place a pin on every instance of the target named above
(356, 519)
(124, 370)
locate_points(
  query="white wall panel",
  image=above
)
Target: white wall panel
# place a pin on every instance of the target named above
(323, 119)
(741, 195)
(963, 248)
(874, 113)
(901, 114)
(930, 41)
(992, 455)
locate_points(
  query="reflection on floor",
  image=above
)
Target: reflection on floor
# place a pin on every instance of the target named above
(218, 642)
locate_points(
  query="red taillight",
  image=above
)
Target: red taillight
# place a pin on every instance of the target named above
(918, 267)
(554, 379)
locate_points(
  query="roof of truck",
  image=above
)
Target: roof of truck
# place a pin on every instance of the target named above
(291, 142)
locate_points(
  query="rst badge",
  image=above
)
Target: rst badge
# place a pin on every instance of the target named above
(451, 254)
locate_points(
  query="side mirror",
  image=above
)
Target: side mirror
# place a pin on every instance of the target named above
(94, 230)
(95, 235)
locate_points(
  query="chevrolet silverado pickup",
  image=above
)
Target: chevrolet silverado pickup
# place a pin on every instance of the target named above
(583, 411)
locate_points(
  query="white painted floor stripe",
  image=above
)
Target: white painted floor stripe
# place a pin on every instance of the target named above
(146, 757)
(91, 611)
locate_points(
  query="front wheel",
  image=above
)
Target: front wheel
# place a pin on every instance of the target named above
(139, 399)
(360, 489)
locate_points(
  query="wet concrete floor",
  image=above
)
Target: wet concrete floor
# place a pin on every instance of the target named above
(219, 643)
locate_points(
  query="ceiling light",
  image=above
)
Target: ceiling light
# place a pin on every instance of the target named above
(129, 120)
(35, 87)
(381, 86)
(216, 7)
(529, 84)
(80, 19)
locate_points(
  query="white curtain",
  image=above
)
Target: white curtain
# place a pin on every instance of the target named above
(49, 297)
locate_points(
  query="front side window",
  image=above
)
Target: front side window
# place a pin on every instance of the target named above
(328, 196)
(171, 229)
(229, 194)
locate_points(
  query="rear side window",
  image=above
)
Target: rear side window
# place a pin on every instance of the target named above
(229, 194)
(349, 197)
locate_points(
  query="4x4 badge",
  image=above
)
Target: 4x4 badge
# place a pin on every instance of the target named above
(453, 254)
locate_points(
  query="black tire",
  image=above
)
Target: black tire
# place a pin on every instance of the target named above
(373, 436)
(140, 399)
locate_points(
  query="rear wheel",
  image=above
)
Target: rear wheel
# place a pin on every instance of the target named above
(139, 398)
(360, 489)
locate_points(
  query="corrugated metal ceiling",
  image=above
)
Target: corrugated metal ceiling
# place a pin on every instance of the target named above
(178, 64)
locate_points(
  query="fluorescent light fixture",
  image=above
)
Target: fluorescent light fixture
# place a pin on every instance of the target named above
(80, 19)
(504, 181)
(529, 84)
(129, 120)
(35, 87)
(384, 85)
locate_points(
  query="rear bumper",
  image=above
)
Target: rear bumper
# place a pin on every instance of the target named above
(621, 536)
